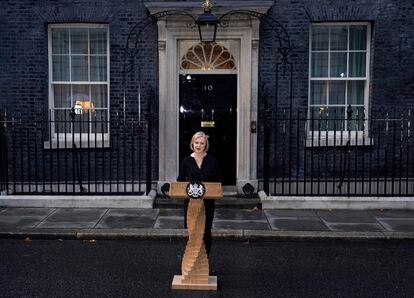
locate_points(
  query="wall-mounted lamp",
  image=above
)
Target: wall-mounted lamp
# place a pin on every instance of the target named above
(207, 23)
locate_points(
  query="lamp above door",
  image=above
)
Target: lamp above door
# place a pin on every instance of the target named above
(207, 23)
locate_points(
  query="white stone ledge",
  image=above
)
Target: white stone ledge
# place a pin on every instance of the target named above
(351, 203)
(337, 141)
(140, 202)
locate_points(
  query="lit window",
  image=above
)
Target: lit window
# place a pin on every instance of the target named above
(79, 77)
(208, 56)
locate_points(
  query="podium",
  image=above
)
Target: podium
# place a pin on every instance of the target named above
(195, 267)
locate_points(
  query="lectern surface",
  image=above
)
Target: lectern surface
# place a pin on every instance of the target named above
(178, 190)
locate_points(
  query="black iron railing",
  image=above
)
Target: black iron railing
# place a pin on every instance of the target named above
(3, 158)
(334, 154)
(65, 153)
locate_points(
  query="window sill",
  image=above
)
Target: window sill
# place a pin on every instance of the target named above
(68, 144)
(338, 141)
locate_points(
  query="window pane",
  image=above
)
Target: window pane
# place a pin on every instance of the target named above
(319, 65)
(100, 121)
(336, 116)
(338, 65)
(339, 37)
(356, 92)
(318, 92)
(318, 118)
(98, 68)
(99, 96)
(61, 94)
(80, 95)
(337, 92)
(62, 121)
(60, 68)
(79, 68)
(60, 41)
(98, 41)
(320, 38)
(357, 64)
(81, 123)
(357, 122)
(79, 41)
(357, 37)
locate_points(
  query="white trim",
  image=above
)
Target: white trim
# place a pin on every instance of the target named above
(169, 38)
(340, 23)
(70, 82)
(213, 71)
(365, 79)
(336, 141)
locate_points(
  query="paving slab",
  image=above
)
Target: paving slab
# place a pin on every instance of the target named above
(239, 214)
(290, 213)
(66, 225)
(356, 227)
(346, 216)
(293, 224)
(27, 212)
(149, 213)
(240, 225)
(398, 225)
(76, 215)
(392, 213)
(171, 212)
(125, 221)
(11, 223)
(169, 223)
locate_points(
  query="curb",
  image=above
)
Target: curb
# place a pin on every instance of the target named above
(181, 234)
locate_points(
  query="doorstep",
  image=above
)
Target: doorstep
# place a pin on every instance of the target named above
(233, 202)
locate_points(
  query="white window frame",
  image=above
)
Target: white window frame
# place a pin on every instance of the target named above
(81, 139)
(340, 137)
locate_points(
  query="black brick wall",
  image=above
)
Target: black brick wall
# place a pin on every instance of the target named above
(24, 57)
(392, 56)
(24, 64)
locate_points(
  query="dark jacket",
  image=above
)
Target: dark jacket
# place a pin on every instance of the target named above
(209, 171)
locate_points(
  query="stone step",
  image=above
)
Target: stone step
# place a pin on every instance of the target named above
(226, 202)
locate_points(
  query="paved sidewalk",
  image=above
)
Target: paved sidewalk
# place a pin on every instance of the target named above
(167, 223)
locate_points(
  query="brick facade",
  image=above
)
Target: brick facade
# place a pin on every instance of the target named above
(24, 52)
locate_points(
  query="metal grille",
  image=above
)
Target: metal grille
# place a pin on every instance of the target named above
(333, 155)
(47, 156)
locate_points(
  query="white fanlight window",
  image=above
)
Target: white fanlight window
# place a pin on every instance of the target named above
(208, 56)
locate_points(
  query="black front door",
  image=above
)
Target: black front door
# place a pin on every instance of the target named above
(209, 103)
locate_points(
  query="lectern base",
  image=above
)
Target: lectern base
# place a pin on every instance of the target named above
(177, 284)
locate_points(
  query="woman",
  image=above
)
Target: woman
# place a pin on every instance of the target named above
(200, 166)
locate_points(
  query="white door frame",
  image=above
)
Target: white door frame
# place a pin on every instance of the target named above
(173, 31)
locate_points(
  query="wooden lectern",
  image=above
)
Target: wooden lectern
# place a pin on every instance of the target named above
(195, 268)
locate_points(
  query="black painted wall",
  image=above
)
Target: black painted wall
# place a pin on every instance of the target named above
(24, 60)
(24, 65)
(392, 55)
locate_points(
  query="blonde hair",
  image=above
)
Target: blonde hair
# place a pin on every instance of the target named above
(199, 134)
